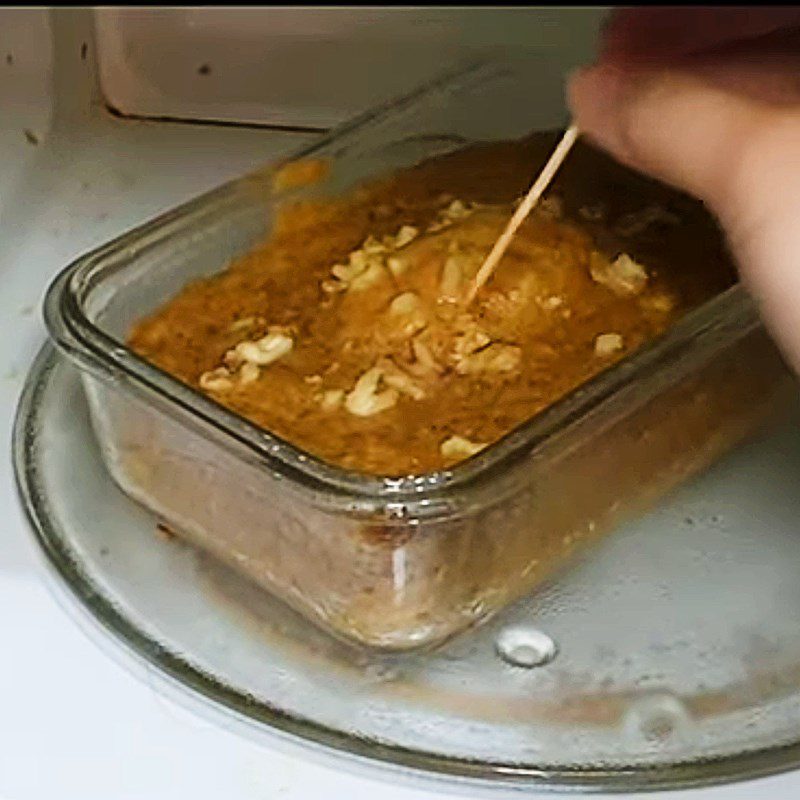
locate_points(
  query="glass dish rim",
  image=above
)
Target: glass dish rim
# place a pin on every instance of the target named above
(422, 496)
(65, 563)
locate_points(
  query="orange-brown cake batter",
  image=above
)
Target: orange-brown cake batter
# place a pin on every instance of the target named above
(345, 332)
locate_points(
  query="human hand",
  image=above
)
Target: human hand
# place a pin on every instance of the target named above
(708, 100)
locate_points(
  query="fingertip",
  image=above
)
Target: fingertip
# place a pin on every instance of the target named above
(594, 97)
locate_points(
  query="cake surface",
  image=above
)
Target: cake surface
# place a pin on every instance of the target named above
(345, 332)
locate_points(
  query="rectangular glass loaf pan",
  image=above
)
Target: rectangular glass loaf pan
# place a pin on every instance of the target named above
(398, 563)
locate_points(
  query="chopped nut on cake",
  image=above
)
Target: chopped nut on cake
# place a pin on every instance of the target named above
(456, 448)
(623, 275)
(405, 236)
(494, 358)
(217, 380)
(248, 373)
(366, 397)
(658, 302)
(607, 344)
(262, 352)
(551, 207)
(395, 377)
(331, 399)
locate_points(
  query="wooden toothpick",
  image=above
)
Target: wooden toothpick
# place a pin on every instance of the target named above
(525, 207)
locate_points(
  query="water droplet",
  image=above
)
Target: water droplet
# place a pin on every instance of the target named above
(525, 647)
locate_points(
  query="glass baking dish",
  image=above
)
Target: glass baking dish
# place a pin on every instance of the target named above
(398, 563)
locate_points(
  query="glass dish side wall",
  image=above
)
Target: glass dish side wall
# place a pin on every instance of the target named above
(405, 583)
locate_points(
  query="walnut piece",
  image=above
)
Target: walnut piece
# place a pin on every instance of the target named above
(439, 225)
(397, 265)
(607, 344)
(369, 277)
(551, 207)
(455, 211)
(368, 398)
(450, 286)
(395, 377)
(243, 324)
(494, 358)
(457, 448)
(552, 302)
(504, 305)
(623, 275)
(248, 373)
(405, 303)
(357, 263)
(407, 314)
(331, 399)
(242, 364)
(472, 340)
(333, 287)
(364, 267)
(658, 302)
(372, 246)
(262, 352)
(365, 399)
(425, 364)
(216, 380)
(405, 235)
(369, 264)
